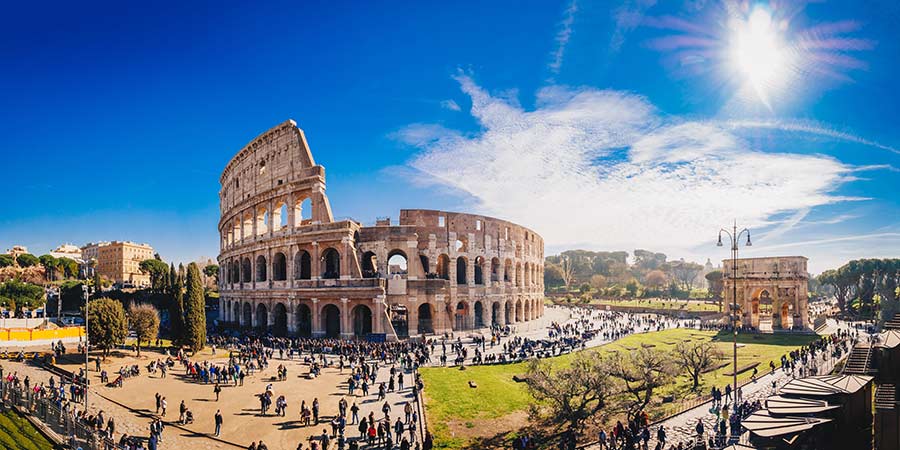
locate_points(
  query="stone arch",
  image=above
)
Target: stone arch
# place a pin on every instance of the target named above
(369, 265)
(280, 215)
(235, 272)
(246, 270)
(362, 320)
(262, 220)
(261, 268)
(527, 313)
(443, 267)
(495, 269)
(425, 266)
(426, 318)
(495, 313)
(509, 313)
(279, 267)
(519, 312)
(236, 312)
(331, 263)
(507, 270)
(526, 272)
(262, 317)
(479, 270)
(518, 274)
(280, 325)
(331, 320)
(248, 225)
(461, 316)
(302, 211)
(461, 264)
(397, 263)
(247, 316)
(302, 265)
(479, 314)
(304, 320)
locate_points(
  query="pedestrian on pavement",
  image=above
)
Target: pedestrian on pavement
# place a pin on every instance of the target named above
(218, 422)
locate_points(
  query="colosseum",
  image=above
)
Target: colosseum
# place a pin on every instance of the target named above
(288, 268)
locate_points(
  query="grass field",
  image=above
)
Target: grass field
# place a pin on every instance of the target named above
(449, 400)
(676, 305)
(17, 434)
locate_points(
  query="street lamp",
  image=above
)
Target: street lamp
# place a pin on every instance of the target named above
(87, 346)
(734, 236)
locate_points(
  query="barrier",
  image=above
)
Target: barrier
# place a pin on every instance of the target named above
(26, 334)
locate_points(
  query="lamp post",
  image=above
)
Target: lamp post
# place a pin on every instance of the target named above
(87, 340)
(734, 236)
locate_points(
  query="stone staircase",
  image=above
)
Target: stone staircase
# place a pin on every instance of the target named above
(894, 323)
(886, 396)
(859, 361)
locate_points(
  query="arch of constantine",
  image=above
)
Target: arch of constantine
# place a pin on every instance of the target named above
(287, 267)
(771, 291)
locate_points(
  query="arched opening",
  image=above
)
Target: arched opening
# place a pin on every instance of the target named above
(462, 316)
(236, 312)
(235, 272)
(518, 275)
(785, 316)
(425, 324)
(461, 245)
(302, 212)
(246, 271)
(280, 218)
(526, 315)
(247, 230)
(479, 270)
(331, 264)
(461, 270)
(479, 318)
(527, 275)
(507, 271)
(262, 221)
(400, 320)
(302, 266)
(397, 263)
(369, 265)
(495, 269)
(331, 321)
(443, 267)
(507, 314)
(248, 316)
(260, 268)
(304, 321)
(279, 267)
(262, 317)
(424, 260)
(362, 321)
(519, 312)
(280, 328)
(495, 314)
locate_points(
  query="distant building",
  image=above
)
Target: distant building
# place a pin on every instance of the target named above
(16, 251)
(67, 251)
(119, 261)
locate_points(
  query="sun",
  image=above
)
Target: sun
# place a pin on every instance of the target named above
(758, 53)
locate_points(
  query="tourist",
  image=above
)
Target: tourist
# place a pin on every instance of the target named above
(218, 420)
(324, 439)
(217, 390)
(354, 412)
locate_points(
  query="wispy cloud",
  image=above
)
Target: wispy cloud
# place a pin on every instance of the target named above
(450, 104)
(604, 167)
(563, 36)
(628, 17)
(808, 127)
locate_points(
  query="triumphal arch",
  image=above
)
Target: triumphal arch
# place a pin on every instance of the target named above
(771, 291)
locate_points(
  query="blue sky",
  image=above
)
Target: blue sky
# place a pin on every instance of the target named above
(602, 125)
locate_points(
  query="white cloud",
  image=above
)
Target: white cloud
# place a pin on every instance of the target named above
(563, 36)
(605, 169)
(451, 105)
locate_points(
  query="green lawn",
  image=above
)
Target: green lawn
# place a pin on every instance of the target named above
(17, 433)
(677, 305)
(448, 396)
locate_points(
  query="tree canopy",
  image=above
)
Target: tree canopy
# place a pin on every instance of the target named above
(144, 321)
(194, 310)
(108, 324)
(27, 260)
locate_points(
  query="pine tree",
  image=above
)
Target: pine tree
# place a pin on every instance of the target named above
(195, 310)
(176, 305)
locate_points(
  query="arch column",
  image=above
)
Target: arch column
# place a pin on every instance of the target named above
(315, 265)
(346, 328)
(292, 315)
(378, 314)
(253, 320)
(316, 319)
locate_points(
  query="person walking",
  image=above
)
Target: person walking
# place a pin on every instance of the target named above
(217, 390)
(218, 422)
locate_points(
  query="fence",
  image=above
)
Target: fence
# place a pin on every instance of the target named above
(32, 334)
(57, 416)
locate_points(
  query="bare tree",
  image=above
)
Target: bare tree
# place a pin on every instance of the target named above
(568, 270)
(144, 321)
(686, 273)
(574, 394)
(641, 372)
(694, 357)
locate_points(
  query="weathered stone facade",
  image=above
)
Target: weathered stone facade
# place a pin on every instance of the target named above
(288, 267)
(771, 291)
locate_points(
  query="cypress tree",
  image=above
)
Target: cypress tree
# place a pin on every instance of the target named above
(195, 310)
(176, 306)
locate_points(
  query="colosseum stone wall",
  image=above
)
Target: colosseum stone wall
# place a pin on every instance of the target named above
(287, 267)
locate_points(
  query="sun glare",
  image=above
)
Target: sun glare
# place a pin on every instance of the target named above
(758, 52)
